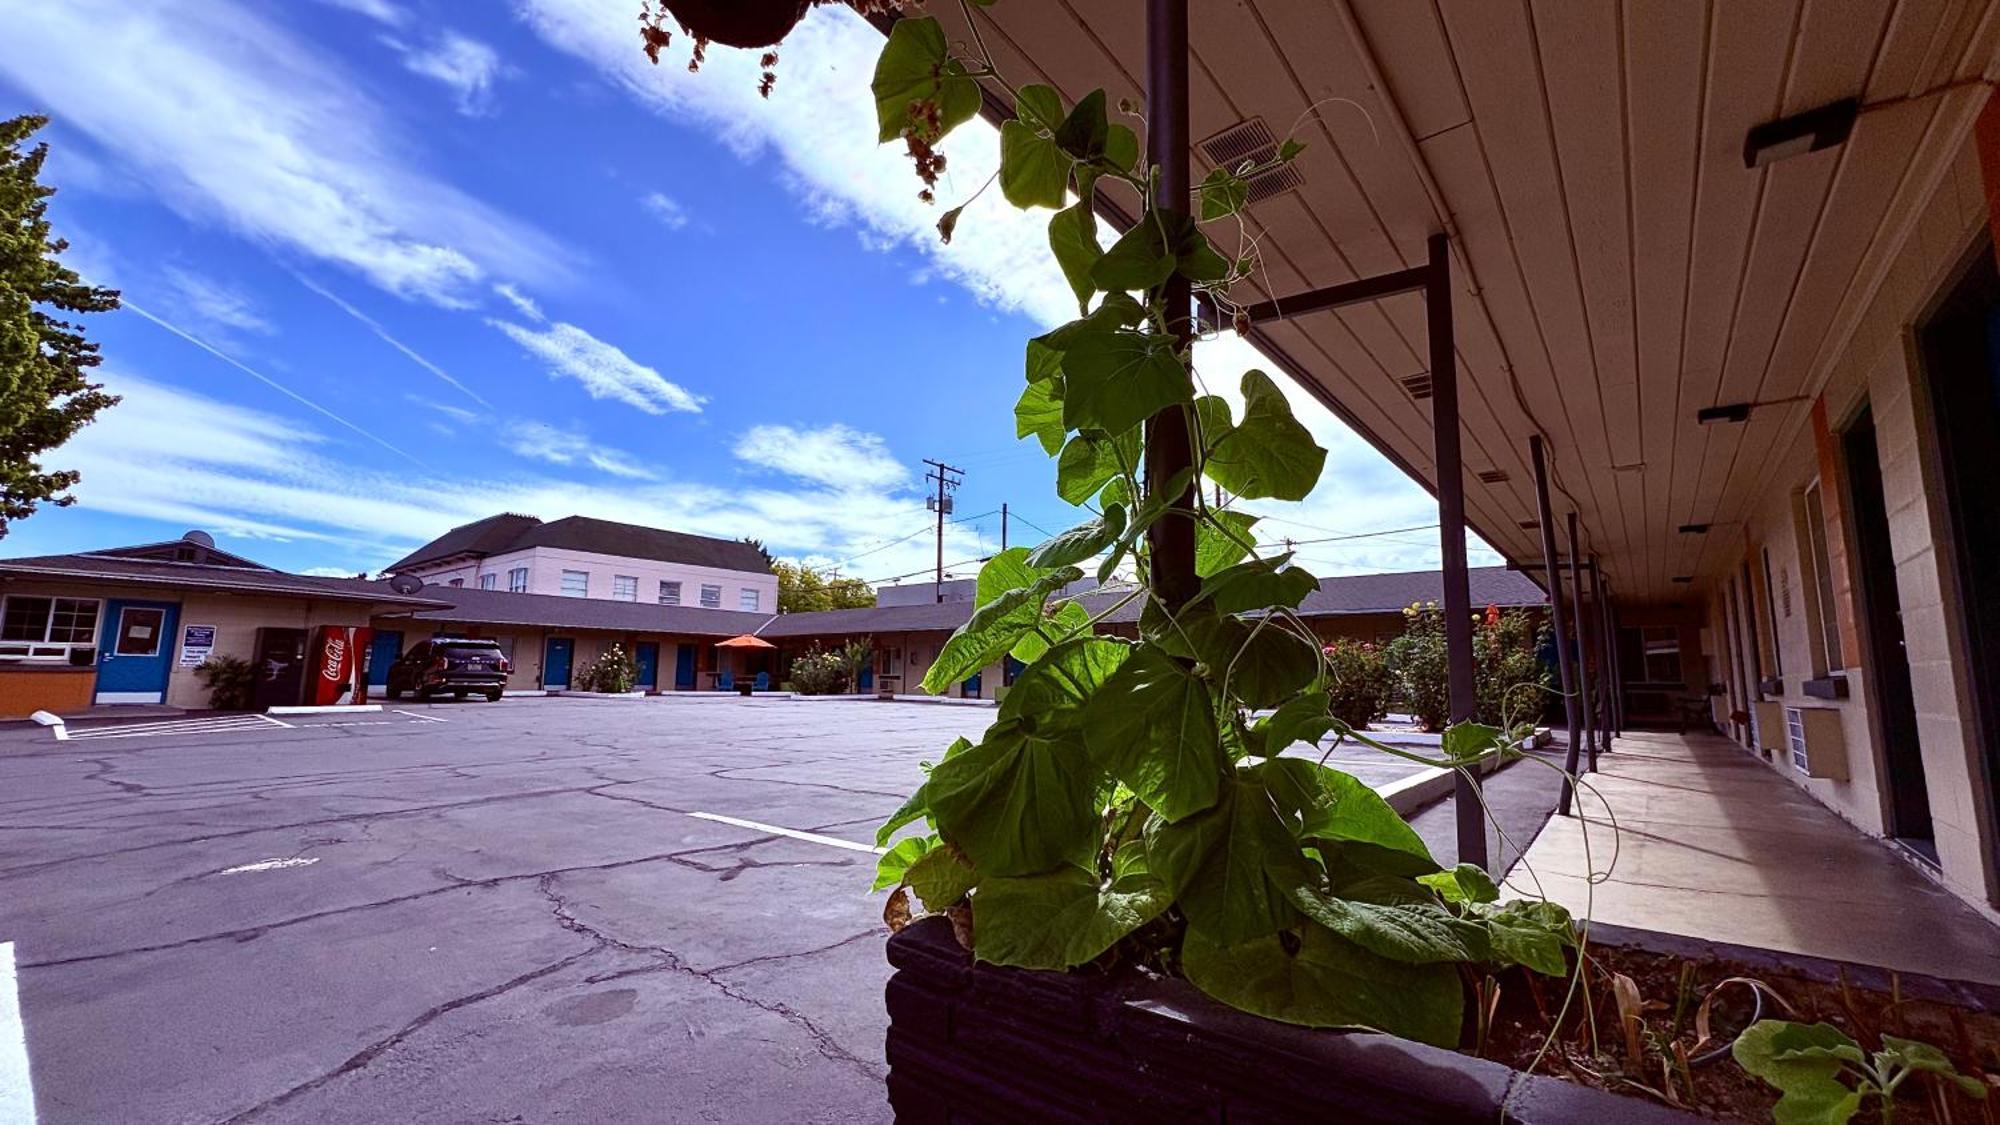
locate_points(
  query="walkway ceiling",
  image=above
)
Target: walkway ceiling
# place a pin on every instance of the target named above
(1617, 265)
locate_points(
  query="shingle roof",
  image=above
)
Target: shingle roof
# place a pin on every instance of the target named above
(198, 576)
(498, 534)
(500, 607)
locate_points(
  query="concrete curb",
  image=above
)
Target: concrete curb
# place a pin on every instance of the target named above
(722, 696)
(329, 709)
(525, 692)
(1407, 795)
(54, 722)
(602, 694)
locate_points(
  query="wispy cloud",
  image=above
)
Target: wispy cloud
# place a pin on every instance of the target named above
(604, 370)
(836, 455)
(381, 11)
(457, 414)
(522, 303)
(213, 304)
(666, 209)
(408, 352)
(460, 62)
(232, 121)
(544, 442)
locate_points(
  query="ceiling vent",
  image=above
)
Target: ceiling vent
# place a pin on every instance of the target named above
(1250, 142)
(1418, 385)
(1493, 476)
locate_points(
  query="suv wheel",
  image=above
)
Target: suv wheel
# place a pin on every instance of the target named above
(493, 696)
(423, 695)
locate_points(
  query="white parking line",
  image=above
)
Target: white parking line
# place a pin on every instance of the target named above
(423, 718)
(271, 865)
(195, 726)
(810, 837)
(17, 1090)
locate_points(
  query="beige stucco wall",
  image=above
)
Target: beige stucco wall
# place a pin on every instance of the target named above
(1878, 367)
(546, 564)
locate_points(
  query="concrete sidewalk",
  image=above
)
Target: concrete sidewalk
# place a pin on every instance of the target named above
(1711, 843)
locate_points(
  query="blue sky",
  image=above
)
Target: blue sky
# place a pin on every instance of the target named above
(391, 266)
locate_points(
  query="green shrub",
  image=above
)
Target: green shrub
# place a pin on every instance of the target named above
(821, 673)
(1419, 667)
(231, 682)
(611, 672)
(1509, 678)
(1358, 682)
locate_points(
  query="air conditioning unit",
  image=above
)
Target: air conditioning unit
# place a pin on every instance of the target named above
(1816, 742)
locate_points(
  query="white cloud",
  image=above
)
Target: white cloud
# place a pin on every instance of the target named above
(232, 121)
(522, 303)
(457, 414)
(382, 333)
(605, 371)
(243, 472)
(836, 455)
(664, 208)
(544, 442)
(329, 571)
(464, 64)
(213, 304)
(381, 11)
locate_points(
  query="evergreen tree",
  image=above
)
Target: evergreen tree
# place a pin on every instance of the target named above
(44, 397)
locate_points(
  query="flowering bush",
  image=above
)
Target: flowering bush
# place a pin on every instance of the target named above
(1419, 667)
(1509, 676)
(612, 672)
(1357, 682)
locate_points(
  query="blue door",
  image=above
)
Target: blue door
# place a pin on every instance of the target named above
(555, 662)
(684, 668)
(972, 686)
(867, 677)
(382, 652)
(648, 654)
(136, 651)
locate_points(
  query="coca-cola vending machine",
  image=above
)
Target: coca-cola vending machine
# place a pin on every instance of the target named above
(336, 665)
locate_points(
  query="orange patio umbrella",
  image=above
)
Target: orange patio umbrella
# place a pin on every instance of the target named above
(745, 641)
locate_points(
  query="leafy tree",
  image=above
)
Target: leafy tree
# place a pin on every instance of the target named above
(44, 397)
(806, 589)
(758, 545)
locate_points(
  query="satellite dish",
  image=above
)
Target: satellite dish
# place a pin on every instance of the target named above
(201, 537)
(406, 584)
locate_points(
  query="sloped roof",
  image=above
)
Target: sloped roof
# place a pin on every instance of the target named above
(509, 532)
(549, 611)
(236, 579)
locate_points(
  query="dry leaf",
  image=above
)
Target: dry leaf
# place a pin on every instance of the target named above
(896, 912)
(961, 923)
(1630, 1004)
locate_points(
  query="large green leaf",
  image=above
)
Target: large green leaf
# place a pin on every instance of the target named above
(1088, 461)
(1152, 726)
(1115, 311)
(940, 877)
(1067, 619)
(1215, 549)
(1257, 584)
(1327, 982)
(1008, 570)
(996, 625)
(1322, 803)
(1265, 666)
(1533, 934)
(1467, 883)
(1016, 805)
(1212, 414)
(1223, 194)
(1121, 148)
(917, 806)
(1083, 541)
(1039, 107)
(1039, 412)
(1269, 453)
(895, 863)
(1073, 239)
(1138, 261)
(1085, 131)
(1060, 919)
(1044, 361)
(1415, 932)
(1233, 867)
(915, 67)
(1799, 1059)
(1306, 717)
(1033, 171)
(1116, 380)
(1048, 697)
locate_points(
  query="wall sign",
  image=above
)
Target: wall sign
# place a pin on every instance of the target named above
(197, 642)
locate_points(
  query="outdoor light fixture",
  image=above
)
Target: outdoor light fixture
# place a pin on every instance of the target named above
(1801, 133)
(1694, 529)
(1684, 579)
(1734, 412)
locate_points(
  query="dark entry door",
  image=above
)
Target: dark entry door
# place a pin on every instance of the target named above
(646, 654)
(555, 662)
(281, 667)
(1895, 708)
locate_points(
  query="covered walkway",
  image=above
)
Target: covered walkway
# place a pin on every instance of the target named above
(1713, 844)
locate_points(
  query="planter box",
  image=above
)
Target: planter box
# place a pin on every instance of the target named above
(989, 1044)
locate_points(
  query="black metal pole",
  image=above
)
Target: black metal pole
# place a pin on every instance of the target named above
(1558, 612)
(1471, 815)
(1584, 694)
(1617, 679)
(1608, 685)
(1168, 446)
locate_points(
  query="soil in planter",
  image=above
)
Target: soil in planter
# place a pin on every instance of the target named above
(1672, 989)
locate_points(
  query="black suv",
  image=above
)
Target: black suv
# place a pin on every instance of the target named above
(460, 665)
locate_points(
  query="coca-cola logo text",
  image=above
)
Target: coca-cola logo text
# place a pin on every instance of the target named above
(336, 658)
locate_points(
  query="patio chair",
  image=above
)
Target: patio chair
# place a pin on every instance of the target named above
(726, 682)
(763, 681)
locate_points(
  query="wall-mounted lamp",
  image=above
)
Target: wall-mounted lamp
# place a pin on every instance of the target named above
(1734, 412)
(1684, 579)
(1694, 529)
(1818, 128)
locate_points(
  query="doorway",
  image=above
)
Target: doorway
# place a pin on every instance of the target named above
(1892, 705)
(1960, 351)
(646, 655)
(134, 661)
(555, 663)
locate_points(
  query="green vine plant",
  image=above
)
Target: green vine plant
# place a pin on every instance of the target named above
(1825, 1076)
(1131, 800)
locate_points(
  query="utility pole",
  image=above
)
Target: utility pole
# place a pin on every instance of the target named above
(947, 480)
(1003, 525)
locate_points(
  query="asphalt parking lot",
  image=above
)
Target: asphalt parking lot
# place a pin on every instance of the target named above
(541, 910)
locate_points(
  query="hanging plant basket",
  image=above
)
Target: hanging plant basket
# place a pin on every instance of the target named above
(738, 23)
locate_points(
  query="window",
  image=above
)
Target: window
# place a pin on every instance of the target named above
(711, 597)
(1823, 622)
(575, 583)
(517, 580)
(1660, 650)
(624, 588)
(1771, 616)
(489, 581)
(456, 582)
(670, 592)
(1795, 739)
(747, 600)
(47, 627)
(139, 629)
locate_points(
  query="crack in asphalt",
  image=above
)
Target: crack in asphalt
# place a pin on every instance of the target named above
(103, 773)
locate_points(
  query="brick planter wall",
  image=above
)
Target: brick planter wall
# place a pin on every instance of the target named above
(970, 1045)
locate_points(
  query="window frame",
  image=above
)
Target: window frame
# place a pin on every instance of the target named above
(708, 601)
(489, 581)
(1816, 564)
(749, 600)
(624, 587)
(670, 591)
(584, 588)
(520, 587)
(45, 649)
